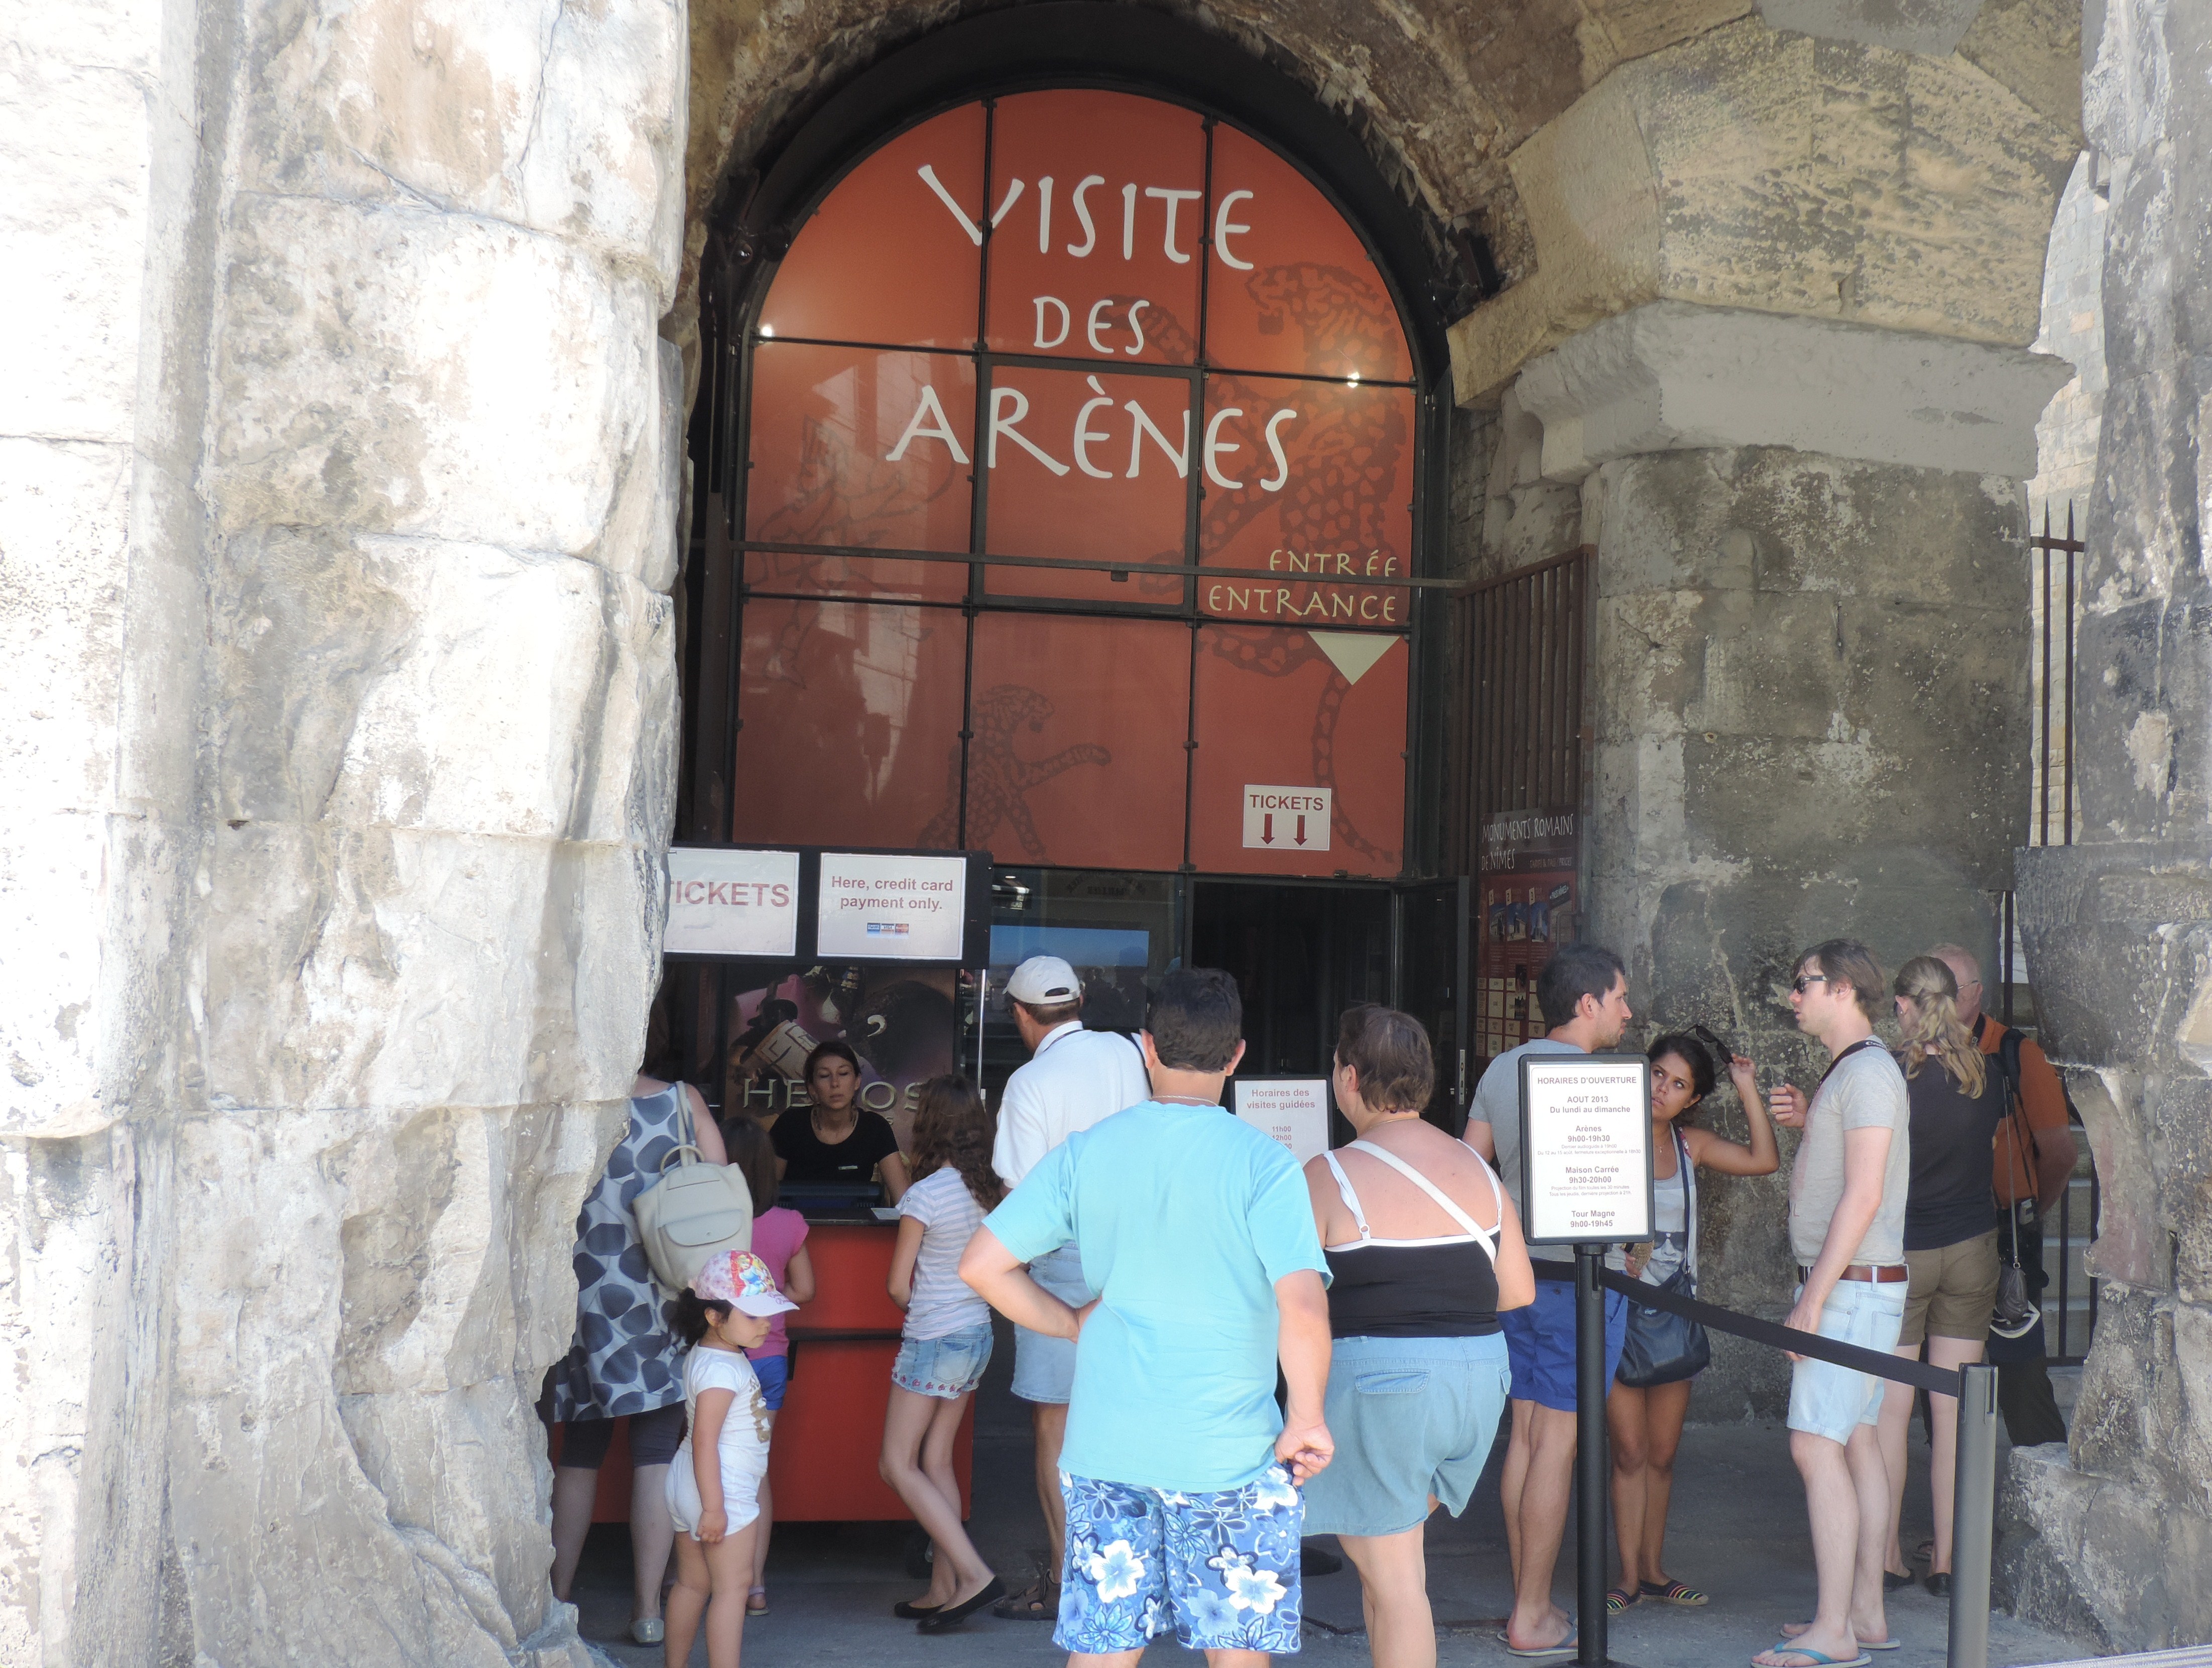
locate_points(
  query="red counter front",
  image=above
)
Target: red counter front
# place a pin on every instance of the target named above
(822, 1467)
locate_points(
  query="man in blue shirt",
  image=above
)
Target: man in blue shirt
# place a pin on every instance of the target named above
(1179, 1472)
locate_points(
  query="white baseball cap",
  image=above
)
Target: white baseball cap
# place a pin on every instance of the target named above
(1044, 981)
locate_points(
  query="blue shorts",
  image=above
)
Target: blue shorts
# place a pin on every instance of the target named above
(773, 1373)
(1832, 1401)
(1220, 1568)
(1044, 1368)
(1412, 1417)
(944, 1367)
(1539, 1342)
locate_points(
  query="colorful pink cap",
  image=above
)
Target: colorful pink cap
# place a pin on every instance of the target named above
(741, 1279)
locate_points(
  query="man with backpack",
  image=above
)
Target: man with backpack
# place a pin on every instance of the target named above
(2033, 1159)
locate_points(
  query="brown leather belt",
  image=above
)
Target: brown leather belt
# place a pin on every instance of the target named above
(1881, 1274)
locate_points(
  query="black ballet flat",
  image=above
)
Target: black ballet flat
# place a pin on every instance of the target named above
(907, 1612)
(1938, 1583)
(953, 1614)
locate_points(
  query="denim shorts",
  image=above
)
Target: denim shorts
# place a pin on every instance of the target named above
(1540, 1341)
(1832, 1401)
(944, 1367)
(1412, 1417)
(773, 1373)
(1044, 1368)
(1220, 1568)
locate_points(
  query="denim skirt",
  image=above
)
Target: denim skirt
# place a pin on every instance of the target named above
(1412, 1417)
(945, 1367)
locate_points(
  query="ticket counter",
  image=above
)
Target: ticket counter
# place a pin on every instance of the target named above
(822, 1467)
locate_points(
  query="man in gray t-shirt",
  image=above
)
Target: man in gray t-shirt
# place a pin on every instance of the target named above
(1583, 993)
(1847, 1233)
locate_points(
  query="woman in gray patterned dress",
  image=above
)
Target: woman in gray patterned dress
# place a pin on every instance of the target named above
(623, 1361)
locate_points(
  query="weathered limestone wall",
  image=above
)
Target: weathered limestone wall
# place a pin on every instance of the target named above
(1809, 694)
(2073, 329)
(337, 485)
(2116, 1534)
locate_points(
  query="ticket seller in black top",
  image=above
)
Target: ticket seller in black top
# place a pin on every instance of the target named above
(836, 1138)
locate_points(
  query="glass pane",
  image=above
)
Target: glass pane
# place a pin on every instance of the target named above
(1114, 929)
(851, 724)
(1299, 709)
(1292, 287)
(1099, 201)
(1085, 466)
(1306, 478)
(1077, 757)
(779, 572)
(854, 447)
(887, 258)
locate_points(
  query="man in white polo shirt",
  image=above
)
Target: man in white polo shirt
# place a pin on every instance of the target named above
(1075, 1078)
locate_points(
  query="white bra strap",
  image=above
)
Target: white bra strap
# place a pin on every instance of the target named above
(1351, 1199)
(1428, 1187)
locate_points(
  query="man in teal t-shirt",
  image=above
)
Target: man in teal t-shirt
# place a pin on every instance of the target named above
(1197, 1233)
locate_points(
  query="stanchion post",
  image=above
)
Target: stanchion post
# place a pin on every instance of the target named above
(1590, 1456)
(1973, 1516)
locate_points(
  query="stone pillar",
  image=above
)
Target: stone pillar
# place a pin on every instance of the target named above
(1809, 692)
(340, 719)
(2114, 1533)
(1785, 275)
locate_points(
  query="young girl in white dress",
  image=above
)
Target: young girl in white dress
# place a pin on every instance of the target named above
(714, 1481)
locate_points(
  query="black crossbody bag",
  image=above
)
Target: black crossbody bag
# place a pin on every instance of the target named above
(1664, 1347)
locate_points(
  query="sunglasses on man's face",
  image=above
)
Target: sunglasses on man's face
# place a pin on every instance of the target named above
(1799, 983)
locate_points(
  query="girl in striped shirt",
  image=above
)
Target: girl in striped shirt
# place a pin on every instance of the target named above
(945, 1343)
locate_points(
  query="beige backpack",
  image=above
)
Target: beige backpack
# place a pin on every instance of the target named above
(693, 1212)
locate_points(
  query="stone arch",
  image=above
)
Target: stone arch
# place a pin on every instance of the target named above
(1435, 102)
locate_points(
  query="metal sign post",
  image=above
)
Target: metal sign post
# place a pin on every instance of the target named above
(1586, 1179)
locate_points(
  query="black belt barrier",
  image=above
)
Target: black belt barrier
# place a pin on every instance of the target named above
(1974, 1492)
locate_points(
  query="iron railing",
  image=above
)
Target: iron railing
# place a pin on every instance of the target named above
(2053, 588)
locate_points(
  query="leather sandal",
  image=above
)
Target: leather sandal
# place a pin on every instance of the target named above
(1038, 1602)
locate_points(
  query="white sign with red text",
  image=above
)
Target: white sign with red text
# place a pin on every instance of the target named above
(1280, 818)
(733, 903)
(907, 909)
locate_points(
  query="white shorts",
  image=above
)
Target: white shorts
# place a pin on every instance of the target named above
(740, 1493)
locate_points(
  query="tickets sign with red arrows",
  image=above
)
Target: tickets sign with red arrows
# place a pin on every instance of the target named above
(1280, 818)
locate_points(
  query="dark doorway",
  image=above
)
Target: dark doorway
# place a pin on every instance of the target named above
(1301, 955)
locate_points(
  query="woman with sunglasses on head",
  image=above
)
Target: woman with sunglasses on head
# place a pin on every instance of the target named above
(1646, 1421)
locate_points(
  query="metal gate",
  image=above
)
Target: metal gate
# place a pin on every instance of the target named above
(1518, 740)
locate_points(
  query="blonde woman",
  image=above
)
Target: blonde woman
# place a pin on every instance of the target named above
(1950, 1234)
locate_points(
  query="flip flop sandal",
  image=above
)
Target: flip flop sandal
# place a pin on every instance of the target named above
(1617, 1599)
(1892, 1643)
(1674, 1592)
(1038, 1602)
(1819, 1658)
(757, 1601)
(1565, 1648)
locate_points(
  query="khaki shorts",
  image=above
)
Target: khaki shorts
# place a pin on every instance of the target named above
(1953, 1292)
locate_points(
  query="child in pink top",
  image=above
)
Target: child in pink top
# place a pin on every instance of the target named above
(779, 1241)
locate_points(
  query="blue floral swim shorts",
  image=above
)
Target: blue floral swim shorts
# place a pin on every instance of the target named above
(1221, 1569)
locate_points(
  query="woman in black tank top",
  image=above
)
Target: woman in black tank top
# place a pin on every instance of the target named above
(1424, 1250)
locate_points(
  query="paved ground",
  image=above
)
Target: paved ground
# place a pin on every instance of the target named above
(1738, 1531)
